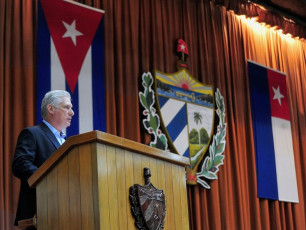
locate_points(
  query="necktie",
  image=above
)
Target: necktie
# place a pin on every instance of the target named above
(63, 137)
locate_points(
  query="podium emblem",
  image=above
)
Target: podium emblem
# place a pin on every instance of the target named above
(148, 204)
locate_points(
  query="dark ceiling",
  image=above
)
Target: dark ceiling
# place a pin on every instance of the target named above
(293, 9)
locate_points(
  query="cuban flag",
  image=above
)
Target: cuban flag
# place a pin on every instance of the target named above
(70, 56)
(276, 177)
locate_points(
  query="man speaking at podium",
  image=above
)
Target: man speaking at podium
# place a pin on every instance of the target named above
(35, 144)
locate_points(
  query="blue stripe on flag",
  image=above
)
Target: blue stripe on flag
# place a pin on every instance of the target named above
(178, 123)
(73, 129)
(98, 80)
(43, 61)
(263, 136)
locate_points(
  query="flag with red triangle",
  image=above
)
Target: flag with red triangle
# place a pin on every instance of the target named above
(70, 56)
(275, 166)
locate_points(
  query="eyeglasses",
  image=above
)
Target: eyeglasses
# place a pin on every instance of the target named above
(65, 107)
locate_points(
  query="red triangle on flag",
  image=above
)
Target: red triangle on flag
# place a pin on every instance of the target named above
(72, 27)
(278, 95)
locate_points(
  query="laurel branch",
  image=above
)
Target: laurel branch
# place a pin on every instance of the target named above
(211, 164)
(152, 120)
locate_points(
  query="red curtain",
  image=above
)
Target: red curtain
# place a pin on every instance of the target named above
(140, 37)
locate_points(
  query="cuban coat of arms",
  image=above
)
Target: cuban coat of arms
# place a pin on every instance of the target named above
(148, 204)
(180, 115)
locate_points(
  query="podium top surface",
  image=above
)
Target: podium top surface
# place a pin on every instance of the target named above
(101, 137)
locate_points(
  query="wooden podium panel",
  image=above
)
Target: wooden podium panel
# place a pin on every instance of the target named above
(85, 184)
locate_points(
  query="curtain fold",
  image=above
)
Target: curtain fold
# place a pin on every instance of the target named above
(140, 37)
(17, 90)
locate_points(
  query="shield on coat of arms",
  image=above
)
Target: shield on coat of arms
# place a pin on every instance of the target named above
(187, 112)
(148, 204)
(152, 206)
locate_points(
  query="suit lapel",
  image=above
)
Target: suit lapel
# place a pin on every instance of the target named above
(49, 134)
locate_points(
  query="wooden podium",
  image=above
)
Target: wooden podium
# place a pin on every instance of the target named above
(85, 184)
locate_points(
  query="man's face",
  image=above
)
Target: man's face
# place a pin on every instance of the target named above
(62, 114)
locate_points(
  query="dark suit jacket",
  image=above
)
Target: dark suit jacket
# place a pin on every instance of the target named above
(34, 145)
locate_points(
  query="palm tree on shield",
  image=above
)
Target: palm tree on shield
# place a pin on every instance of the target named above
(197, 117)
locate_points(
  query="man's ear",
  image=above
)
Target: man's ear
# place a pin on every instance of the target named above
(50, 109)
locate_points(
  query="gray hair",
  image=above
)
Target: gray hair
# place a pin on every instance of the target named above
(52, 98)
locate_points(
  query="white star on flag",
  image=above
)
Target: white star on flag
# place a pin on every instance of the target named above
(71, 32)
(277, 95)
(182, 47)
